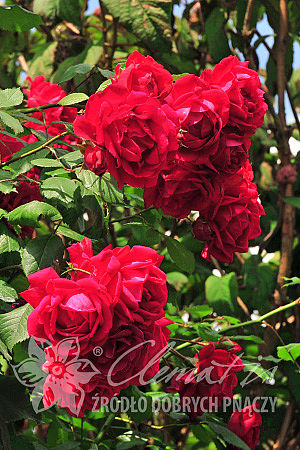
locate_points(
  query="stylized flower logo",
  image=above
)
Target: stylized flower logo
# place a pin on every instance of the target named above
(56, 374)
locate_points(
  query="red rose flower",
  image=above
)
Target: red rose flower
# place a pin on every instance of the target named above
(134, 132)
(8, 146)
(143, 74)
(232, 154)
(242, 85)
(65, 308)
(245, 424)
(132, 352)
(202, 112)
(41, 93)
(214, 378)
(181, 189)
(130, 274)
(227, 227)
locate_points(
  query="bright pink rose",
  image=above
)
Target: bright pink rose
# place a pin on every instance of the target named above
(8, 146)
(134, 132)
(181, 189)
(214, 378)
(130, 274)
(41, 93)
(228, 227)
(245, 424)
(242, 85)
(143, 74)
(202, 112)
(65, 308)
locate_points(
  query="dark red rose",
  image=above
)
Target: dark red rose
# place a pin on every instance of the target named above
(94, 158)
(227, 228)
(245, 424)
(215, 378)
(130, 274)
(41, 93)
(202, 112)
(242, 85)
(132, 352)
(143, 74)
(181, 189)
(8, 146)
(65, 308)
(134, 132)
(232, 154)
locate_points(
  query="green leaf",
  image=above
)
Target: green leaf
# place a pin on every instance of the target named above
(178, 75)
(199, 311)
(6, 186)
(43, 59)
(130, 439)
(181, 256)
(295, 201)
(227, 435)
(75, 70)
(58, 9)
(8, 241)
(149, 20)
(256, 368)
(177, 279)
(46, 162)
(13, 325)
(11, 122)
(59, 188)
(14, 401)
(289, 352)
(104, 85)
(252, 338)
(40, 253)
(216, 37)
(71, 99)
(7, 293)
(221, 293)
(66, 231)
(292, 281)
(15, 18)
(106, 73)
(10, 97)
(25, 163)
(109, 191)
(30, 213)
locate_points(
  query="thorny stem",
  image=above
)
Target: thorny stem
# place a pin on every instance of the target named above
(35, 150)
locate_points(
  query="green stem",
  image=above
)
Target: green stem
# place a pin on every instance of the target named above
(104, 427)
(131, 217)
(37, 108)
(35, 150)
(262, 318)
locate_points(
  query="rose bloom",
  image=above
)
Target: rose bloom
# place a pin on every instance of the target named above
(143, 74)
(232, 154)
(228, 227)
(8, 146)
(41, 93)
(181, 189)
(65, 308)
(202, 113)
(245, 424)
(215, 378)
(130, 274)
(132, 352)
(242, 85)
(133, 130)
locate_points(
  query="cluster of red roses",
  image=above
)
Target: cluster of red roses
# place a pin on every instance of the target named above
(186, 143)
(213, 381)
(41, 93)
(111, 313)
